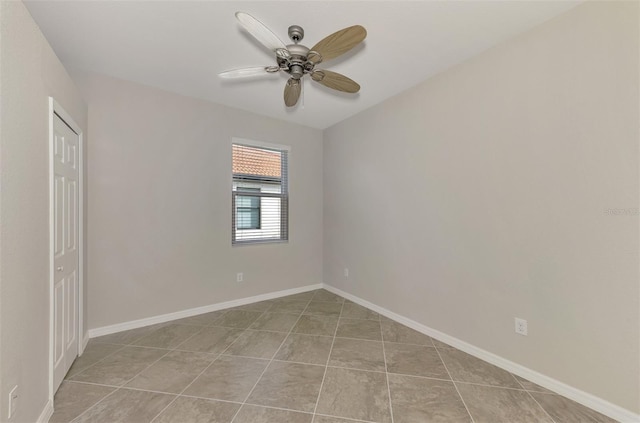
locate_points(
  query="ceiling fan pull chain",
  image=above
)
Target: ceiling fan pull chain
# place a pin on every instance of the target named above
(302, 89)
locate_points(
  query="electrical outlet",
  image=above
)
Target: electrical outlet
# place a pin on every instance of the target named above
(13, 401)
(521, 326)
(346, 272)
(240, 277)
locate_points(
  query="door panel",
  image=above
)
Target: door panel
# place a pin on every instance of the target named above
(58, 345)
(71, 327)
(65, 261)
(58, 192)
(71, 210)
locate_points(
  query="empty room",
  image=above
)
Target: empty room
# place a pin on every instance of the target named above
(319, 211)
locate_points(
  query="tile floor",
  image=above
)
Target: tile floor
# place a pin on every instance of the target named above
(307, 358)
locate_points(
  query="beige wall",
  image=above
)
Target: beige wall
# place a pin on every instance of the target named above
(29, 74)
(160, 204)
(480, 195)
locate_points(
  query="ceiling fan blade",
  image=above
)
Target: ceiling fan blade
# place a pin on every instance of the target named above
(292, 92)
(337, 43)
(335, 80)
(247, 72)
(263, 34)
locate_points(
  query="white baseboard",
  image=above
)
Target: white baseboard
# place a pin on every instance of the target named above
(134, 324)
(588, 400)
(47, 412)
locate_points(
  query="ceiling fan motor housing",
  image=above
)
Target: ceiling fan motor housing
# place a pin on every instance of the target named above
(298, 51)
(297, 65)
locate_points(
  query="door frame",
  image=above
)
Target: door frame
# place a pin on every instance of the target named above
(56, 109)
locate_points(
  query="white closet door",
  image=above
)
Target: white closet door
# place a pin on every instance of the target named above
(65, 266)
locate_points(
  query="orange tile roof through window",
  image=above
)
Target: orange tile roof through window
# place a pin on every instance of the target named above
(256, 161)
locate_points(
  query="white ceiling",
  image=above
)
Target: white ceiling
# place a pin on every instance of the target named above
(180, 46)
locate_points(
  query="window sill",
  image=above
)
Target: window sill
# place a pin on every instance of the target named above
(259, 242)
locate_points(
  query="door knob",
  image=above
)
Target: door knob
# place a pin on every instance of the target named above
(60, 268)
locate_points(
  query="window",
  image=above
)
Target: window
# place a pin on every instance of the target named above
(260, 198)
(248, 209)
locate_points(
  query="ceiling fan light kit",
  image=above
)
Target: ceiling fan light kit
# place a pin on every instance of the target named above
(298, 60)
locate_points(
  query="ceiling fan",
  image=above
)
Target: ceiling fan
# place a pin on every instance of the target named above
(298, 60)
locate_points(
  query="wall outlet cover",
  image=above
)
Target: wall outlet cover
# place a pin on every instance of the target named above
(521, 326)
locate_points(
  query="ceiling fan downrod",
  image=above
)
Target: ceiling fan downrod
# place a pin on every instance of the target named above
(297, 65)
(296, 33)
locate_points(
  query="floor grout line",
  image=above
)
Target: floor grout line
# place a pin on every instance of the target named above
(485, 385)
(176, 348)
(91, 365)
(90, 383)
(209, 399)
(344, 418)
(144, 390)
(94, 405)
(533, 398)
(316, 365)
(248, 356)
(326, 367)
(455, 386)
(185, 388)
(278, 331)
(386, 372)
